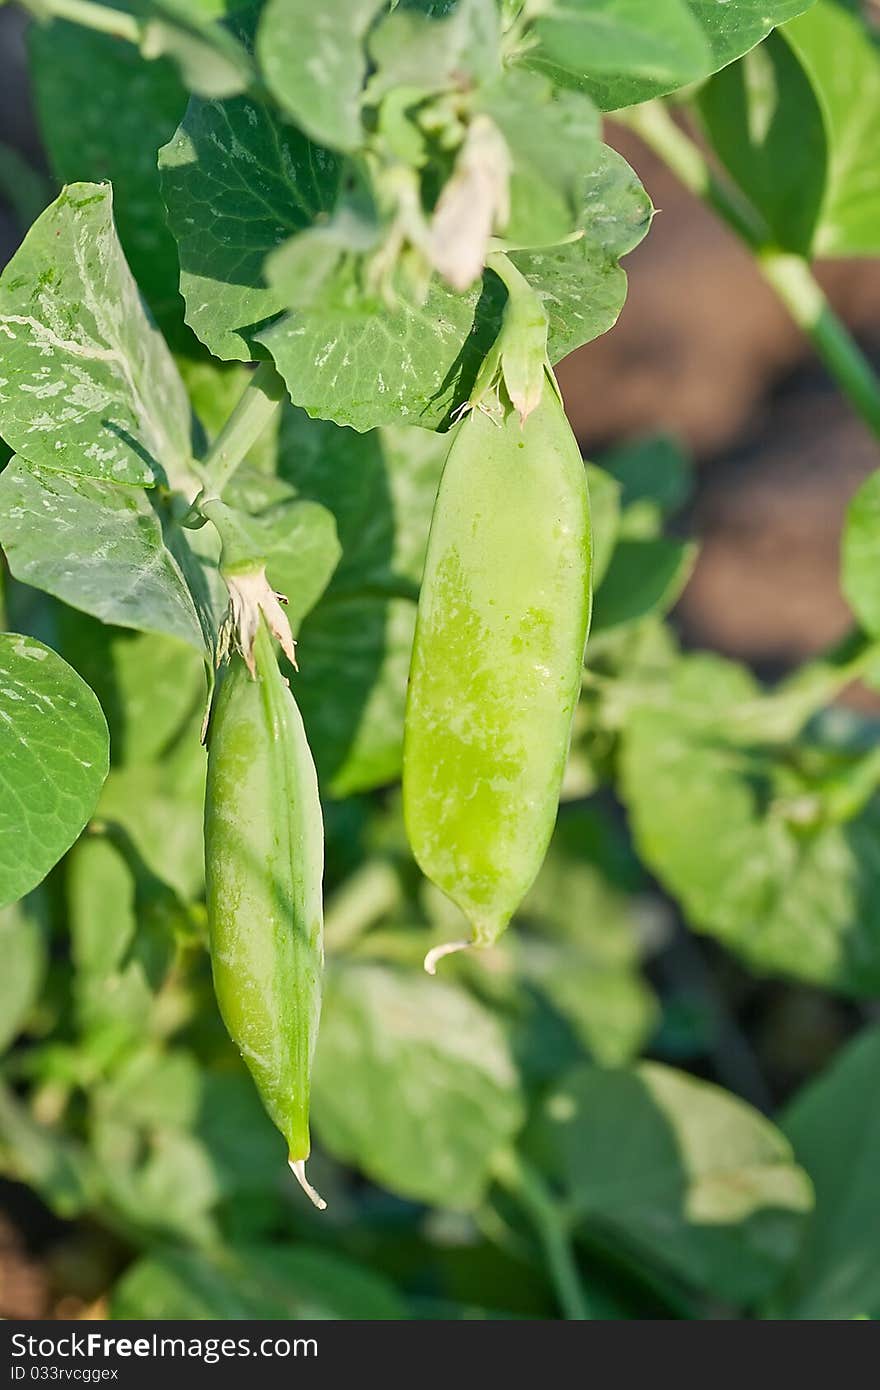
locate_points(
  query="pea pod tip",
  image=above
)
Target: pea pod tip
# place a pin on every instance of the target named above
(437, 953)
(297, 1167)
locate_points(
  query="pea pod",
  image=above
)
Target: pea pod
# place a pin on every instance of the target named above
(264, 865)
(497, 659)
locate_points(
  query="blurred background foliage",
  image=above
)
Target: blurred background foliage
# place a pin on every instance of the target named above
(673, 1054)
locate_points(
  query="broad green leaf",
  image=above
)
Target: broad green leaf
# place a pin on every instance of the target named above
(785, 123)
(653, 473)
(643, 577)
(53, 761)
(765, 124)
(102, 548)
(106, 120)
(158, 1178)
(656, 43)
(744, 842)
(379, 486)
(88, 385)
(354, 655)
(161, 805)
(842, 61)
(729, 28)
(313, 59)
(238, 185)
(296, 536)
(414, 1083)
(683, 1174)
(151, 688)
(24, 956)
(861, 536)
(247, 1282)
(581, 282)
(834, 1128)
(578, 942)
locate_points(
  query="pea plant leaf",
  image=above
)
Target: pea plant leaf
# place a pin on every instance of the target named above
(88, 385)
(106, 120)
(645, 575)
(351, 359)
(834, 1128)
(751, 854)
(785, 124)
(101, 548)
(54, 755)
(659, 43)
(254, 1282)
(150, 687)
(645, 49)
(380, 488)
(685, 1174)
(414, 1083)
(238, 184)
(313, 59)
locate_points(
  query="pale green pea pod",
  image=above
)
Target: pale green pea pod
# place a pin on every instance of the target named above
(497, 660)
(264, 865)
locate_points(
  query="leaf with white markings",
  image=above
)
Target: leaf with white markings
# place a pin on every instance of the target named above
(54, 755)
(102, 549)
(88, 385)
(238, 184)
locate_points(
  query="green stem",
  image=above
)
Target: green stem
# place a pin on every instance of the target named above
(790, 276)
(93, 16)
(795, 284)
(260, 399)
(527, 1187)
(781, 714)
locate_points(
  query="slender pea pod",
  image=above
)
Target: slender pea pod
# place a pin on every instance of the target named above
(264, 864)
(497, 660)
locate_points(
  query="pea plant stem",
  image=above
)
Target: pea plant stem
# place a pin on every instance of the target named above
(528, 1189)
(790, 276)
(99, 17)
(258, 403)
(799, 291)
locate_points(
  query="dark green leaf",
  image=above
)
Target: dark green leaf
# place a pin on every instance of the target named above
(729, 29)
(106, 120)
(53, 761)
(414, 1083)
(834, 1128)
(253, 1282)
(643, 577)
